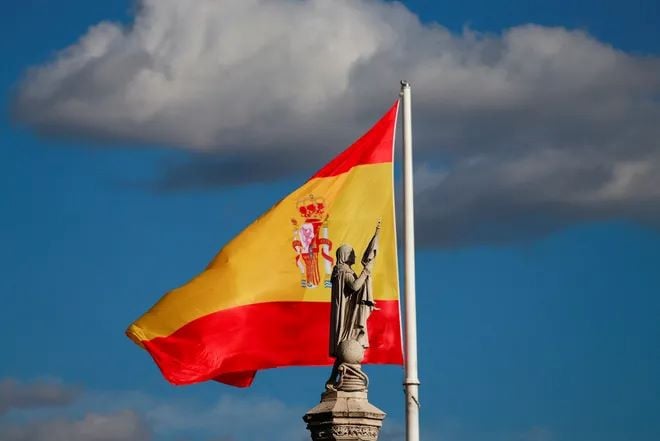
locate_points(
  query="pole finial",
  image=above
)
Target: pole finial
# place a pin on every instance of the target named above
(405, 84)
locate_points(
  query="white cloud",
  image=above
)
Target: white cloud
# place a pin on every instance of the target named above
(134, 415)
(123, 426)
(252, 418)
(537, 126)
(40, 393)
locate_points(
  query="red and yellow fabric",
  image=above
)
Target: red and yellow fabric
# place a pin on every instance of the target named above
(263, 301)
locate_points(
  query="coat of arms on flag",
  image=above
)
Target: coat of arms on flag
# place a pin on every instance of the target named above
(310, 239)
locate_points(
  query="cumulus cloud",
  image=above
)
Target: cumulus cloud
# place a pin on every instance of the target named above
(98, 415)
(40, 393)
(498, 200)
(123, 426)
(250, 418)
(518, 133)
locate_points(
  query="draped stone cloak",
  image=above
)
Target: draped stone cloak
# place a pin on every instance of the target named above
(351, 302)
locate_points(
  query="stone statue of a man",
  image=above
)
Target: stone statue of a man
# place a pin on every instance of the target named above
(352, 300)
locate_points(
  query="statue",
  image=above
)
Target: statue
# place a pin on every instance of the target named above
(352, 303)
(345, 413)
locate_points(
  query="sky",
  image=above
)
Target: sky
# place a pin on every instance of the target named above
(137, 138)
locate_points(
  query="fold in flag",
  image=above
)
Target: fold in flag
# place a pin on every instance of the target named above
(264, 300)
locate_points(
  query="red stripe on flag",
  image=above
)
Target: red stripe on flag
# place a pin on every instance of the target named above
(374, 147)
(230, 345)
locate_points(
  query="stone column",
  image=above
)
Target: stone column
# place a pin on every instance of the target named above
(344, 416)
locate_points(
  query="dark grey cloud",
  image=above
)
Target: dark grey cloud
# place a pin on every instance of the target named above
(121, 426)
(499, 200)
(214, 170)
(516, 134)
(40, 393)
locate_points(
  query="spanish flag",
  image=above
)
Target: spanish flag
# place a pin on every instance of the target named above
(264, 300)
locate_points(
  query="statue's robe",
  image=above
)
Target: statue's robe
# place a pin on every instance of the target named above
(351, 303)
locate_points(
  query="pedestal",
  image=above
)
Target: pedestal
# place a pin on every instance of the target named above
(345, 416)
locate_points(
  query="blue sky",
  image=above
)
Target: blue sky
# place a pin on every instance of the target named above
(538, 312)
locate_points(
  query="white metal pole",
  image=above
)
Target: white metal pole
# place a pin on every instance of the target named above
(411, 381)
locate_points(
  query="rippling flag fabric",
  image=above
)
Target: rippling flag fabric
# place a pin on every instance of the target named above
(264, 300)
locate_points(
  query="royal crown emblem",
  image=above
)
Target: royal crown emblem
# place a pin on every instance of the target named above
(311, 240)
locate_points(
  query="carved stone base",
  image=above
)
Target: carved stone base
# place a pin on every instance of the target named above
(344, 416)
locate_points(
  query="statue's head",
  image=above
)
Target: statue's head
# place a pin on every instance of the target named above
(345, 254)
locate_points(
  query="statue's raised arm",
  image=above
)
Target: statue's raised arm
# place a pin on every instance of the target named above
(370, 252)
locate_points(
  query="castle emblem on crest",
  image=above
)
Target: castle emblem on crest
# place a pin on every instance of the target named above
(311, 242)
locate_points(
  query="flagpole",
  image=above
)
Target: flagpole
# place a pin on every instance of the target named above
(411, 381)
